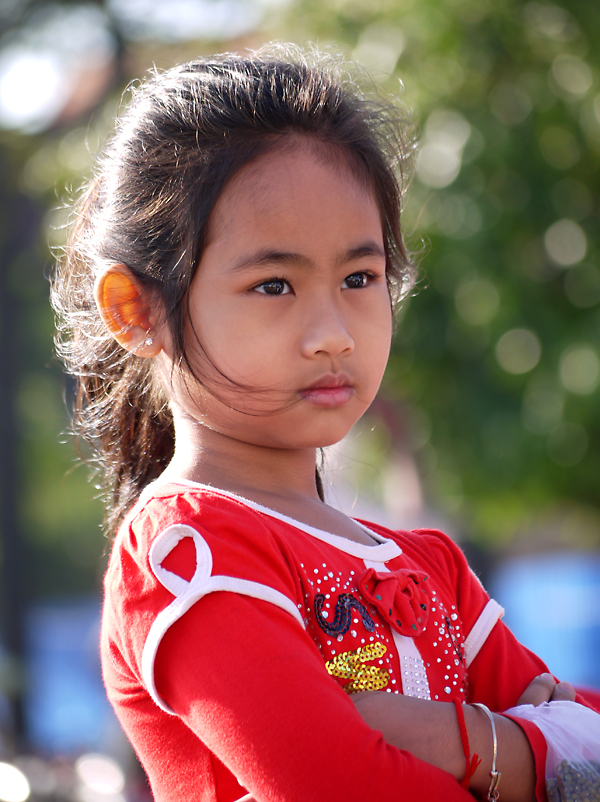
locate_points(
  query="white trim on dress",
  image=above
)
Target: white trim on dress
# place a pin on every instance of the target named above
(188, 593)
(384, 550)
(491, 614)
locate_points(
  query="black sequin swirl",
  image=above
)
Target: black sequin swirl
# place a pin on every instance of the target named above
(343, 614)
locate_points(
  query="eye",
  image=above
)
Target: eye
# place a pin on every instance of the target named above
(274, 286)
(356, 281)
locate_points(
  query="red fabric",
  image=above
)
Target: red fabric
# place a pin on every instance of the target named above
(258, 701)
(591, 697)
(399, 598)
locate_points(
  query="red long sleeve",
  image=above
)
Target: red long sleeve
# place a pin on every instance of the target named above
(247, 626)
(252, 686)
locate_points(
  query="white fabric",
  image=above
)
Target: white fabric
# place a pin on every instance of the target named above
(491, 614)
(572, 733)
(384, 550)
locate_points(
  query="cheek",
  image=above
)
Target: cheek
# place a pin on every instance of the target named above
(379, 335)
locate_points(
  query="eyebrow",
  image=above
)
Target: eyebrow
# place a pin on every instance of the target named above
(269, 256)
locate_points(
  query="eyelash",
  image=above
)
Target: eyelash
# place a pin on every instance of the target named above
(270, 282)
(365, 274)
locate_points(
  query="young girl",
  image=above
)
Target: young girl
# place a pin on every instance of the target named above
(227, 301)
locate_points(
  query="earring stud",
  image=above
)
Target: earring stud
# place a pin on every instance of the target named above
(149, 341)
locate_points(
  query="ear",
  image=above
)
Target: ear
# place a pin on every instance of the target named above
(125, 310)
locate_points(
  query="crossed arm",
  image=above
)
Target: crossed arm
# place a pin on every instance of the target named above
(429, 730)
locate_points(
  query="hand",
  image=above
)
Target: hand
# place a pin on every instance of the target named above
(546, 689)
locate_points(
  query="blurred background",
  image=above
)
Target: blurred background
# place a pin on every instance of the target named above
(488, 421)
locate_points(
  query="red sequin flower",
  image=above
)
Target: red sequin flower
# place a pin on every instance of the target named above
(399, 596)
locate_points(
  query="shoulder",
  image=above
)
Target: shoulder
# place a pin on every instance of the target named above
(224, 521)
(181, 526)
(178, 546)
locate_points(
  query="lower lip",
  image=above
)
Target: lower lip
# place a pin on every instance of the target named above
(328, 397)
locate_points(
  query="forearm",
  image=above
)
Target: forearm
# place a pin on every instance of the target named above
(430, 731)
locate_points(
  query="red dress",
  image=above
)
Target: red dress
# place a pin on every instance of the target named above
(233, 637)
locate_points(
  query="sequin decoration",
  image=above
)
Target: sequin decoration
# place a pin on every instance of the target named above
(343, 614)
(350, 665)
(455, 643)
(414, 677)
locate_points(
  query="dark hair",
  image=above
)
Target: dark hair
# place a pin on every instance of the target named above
(183, 136)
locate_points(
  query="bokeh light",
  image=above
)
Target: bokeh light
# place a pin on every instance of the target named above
(565, 242)
(440, 156)
(60, 59)
(477, 301)
(518, 351)
(182, 20)
(13, 784)
(379, 47)
(580, 369)
(572, 74)
(100, 774)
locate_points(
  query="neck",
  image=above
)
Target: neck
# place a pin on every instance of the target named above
(209, 457)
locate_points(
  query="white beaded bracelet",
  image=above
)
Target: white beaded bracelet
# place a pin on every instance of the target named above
(493, 793)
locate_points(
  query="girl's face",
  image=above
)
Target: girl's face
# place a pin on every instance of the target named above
(290, 304)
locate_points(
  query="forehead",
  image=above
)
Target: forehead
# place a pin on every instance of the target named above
(299, 178)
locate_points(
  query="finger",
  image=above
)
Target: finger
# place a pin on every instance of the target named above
(563, 692)
(538, 691)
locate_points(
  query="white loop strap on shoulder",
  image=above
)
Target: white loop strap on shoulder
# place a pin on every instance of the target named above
(164, 545)
(187, 593)
(490, 615)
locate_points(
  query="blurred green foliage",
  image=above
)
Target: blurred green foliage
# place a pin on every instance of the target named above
(496, 360)
(500, 346)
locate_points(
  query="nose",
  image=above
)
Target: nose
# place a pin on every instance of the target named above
(325, 332)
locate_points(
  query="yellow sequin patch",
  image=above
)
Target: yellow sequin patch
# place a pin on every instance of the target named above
(349, 665)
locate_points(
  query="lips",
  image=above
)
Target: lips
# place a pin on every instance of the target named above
(330, 391)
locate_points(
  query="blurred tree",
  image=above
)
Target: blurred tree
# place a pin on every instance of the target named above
(500, 346)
